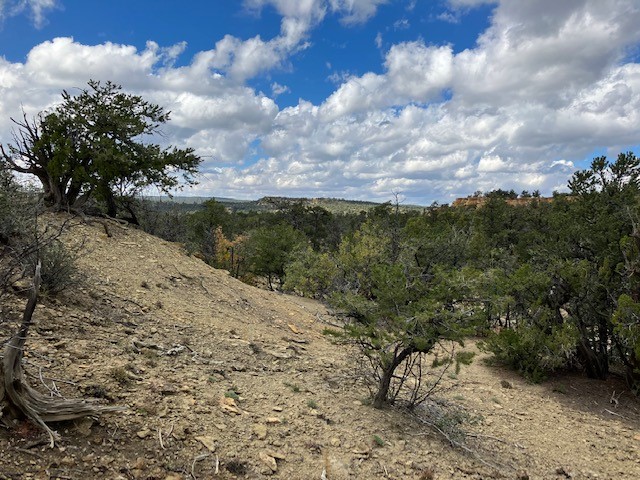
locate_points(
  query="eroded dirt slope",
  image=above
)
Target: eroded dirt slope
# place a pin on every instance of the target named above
(223, 380)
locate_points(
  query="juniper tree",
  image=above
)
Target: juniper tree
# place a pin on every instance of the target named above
(94, 144)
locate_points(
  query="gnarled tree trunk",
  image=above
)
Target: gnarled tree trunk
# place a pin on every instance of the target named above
(399, 356)
(18, 399)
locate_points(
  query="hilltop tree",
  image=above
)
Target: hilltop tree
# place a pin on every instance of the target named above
(92, 145)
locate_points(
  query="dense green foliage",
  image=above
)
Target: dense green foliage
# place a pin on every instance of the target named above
(551, 284)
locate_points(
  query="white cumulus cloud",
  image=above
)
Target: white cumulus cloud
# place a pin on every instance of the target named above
(36, 9)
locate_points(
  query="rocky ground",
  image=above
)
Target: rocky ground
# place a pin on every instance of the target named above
(223, 380)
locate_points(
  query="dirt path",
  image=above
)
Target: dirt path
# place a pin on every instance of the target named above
(221, 376)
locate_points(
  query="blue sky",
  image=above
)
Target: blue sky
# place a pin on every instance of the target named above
(432, 99)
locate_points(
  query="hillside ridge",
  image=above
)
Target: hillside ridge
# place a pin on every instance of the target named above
(219, 376)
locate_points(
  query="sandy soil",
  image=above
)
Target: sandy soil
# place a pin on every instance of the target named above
(223, 380)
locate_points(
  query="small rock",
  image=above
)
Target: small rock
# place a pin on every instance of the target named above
(168, 389)
(260, 430)
(180, 432)
(228, 405)
(269, 461)
(564, 471)
(277, 409)
(208, 442)
(274, 454)
(335, 442)
(273, 420)
(506, 384)
(140, 464)
(293, 328)
(361, 450)
(83, 426)
(144, 433)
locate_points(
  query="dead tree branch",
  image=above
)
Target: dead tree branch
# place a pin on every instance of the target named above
(19, 398)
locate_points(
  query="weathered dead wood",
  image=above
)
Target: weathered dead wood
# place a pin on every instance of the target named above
(19, 399)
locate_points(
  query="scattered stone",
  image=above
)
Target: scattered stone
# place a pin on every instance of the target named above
(279, 355)
(229, 405)
(299, 340)
(260, 430)
(175, 350)
(180, 432)
(144, 433)
(361, 451)
(277, 409)
(168, 389)
(83, 426)
(564, 471)
(274, 454)
(273, 420)
(208, 442)
(293, 328)
(506, 384)
(335, 442)
(269, 461)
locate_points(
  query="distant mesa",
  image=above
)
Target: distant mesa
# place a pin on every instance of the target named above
(476, 201)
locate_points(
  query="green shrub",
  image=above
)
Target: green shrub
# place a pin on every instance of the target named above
(58, 270)
(232, 394)
(310, 274)
(533, 352)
